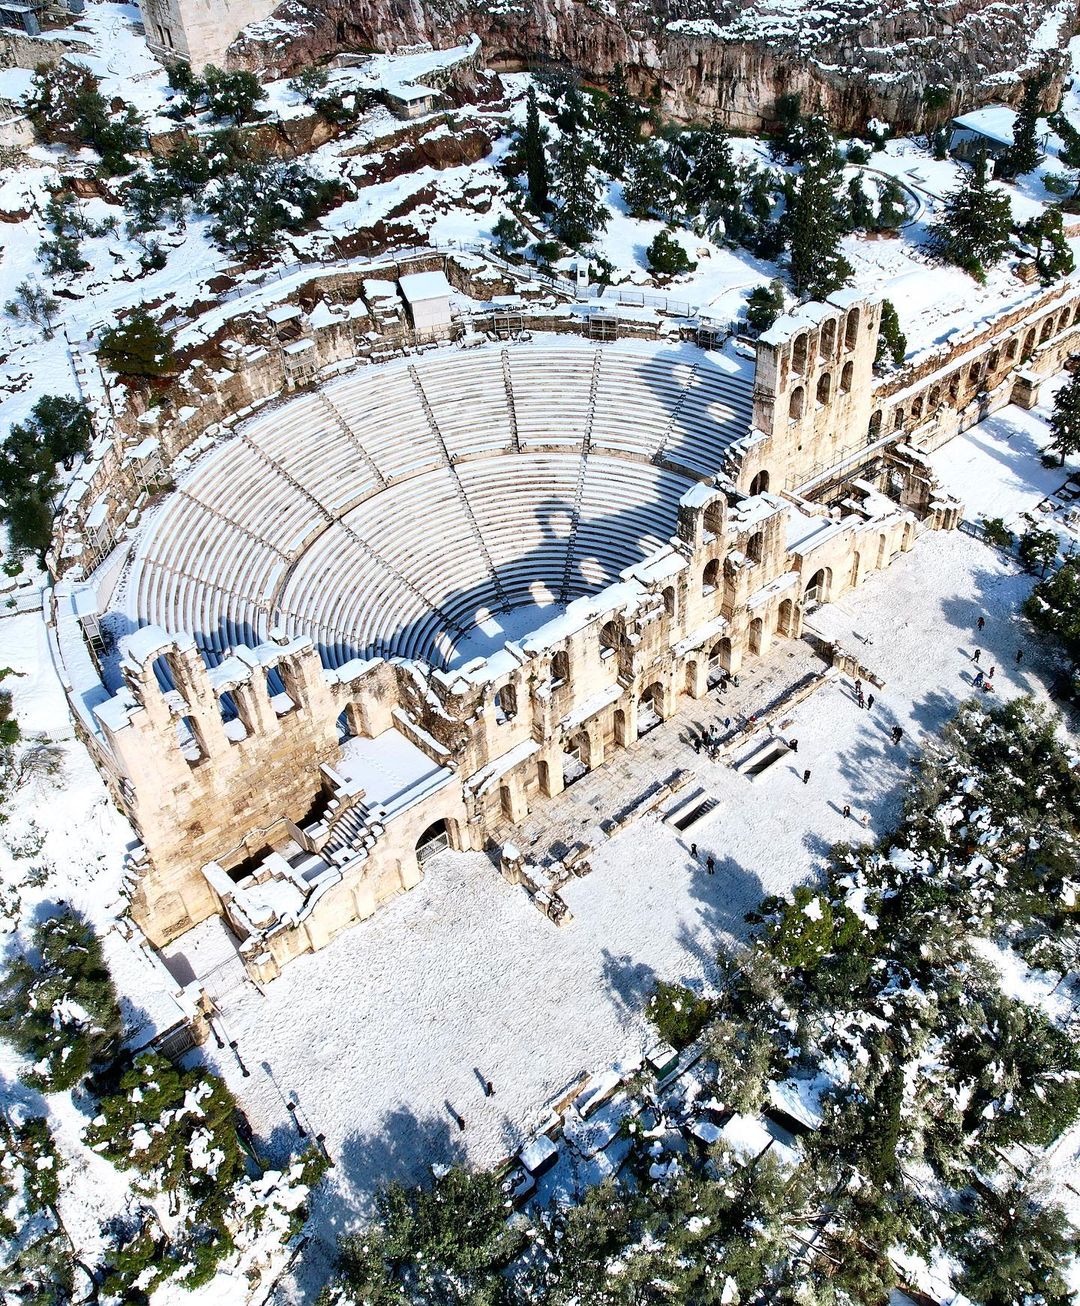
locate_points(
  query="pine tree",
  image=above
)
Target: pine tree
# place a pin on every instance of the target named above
(508, 234)
(59, 1008)
(1053, 257)
(814, 223)
(1065, 419)
(892, 210)
(1053, 606)
(764, 305)
(667, 257)
(1023, 154)
(713, 183)
(536, 164)
(648, 186)
(35, 304)
(974, 230)
(621, 123)
(580, 211)
(891, 342)
(138, 347)
(860, 214)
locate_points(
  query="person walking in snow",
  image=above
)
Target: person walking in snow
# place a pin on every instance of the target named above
(981, 623)
(865, 819)
(1019, 656)
(859, 698)
(990, 673)
(806, 777)
(977, 682)
(489, 1088)
(869, 701)
(693, 851)
(793, 744)
(858, 687)
(976, 655)
(847, 810)
(897, 734)
(710, 864)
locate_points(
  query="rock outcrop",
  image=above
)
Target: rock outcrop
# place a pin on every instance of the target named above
(911, 65)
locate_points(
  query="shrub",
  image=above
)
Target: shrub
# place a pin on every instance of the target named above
(138, 347)
(677, 1013)
(667, 257)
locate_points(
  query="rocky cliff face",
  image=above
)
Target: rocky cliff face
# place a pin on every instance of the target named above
(855, 59)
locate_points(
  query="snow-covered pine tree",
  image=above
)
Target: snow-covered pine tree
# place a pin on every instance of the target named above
(815, 229)
(1023, 155)
(534, 148)
(621, 123)
(1065, 419)
(892, 343)
(973, 231)
(580, 210)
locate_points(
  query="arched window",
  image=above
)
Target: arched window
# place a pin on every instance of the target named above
(710, 577)
(760, 483)
(916, 410)
(954, 387)
(828, 338)
(560, 667)
(755, 546)
(824, 388)
(898, 418)
(993, 360)
(1076, 314)
(505, 704)
(798, 354)
(851, 329)
(874, 428)
(1014, 347)
(610, 636)
(669, 601)
(1047, 330)
(846, 378)
(934, 399)
(795, 405)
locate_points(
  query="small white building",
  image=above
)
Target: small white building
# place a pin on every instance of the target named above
(411, 101)
(986, 131)
(427, 295)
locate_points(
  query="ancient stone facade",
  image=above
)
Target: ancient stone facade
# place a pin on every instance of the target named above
(198, 32)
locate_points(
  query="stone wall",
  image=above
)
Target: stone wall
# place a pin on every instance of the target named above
(198, 31)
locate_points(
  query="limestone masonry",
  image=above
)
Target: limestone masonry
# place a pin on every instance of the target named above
(387, 579)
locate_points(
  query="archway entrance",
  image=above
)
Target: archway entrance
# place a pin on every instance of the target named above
(575, 758)
(434, 840)
(784, 615)
(757, 627)
(817, 588)
(719, 661)
(650, 705)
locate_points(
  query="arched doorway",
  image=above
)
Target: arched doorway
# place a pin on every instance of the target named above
(576, 758)
(785, 614)
(434, 840)
(691, 679)
(719, 661)
(856, 564)
(757, 630)
(650, 709)
(817, 588)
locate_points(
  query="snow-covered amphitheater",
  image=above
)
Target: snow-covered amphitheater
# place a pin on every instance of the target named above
(381, 605)
(391, 510)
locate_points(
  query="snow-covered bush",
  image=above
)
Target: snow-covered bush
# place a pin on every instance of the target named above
(677, 1013)
(58, 1004)
(254, 205)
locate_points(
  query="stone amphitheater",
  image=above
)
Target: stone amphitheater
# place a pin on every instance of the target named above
(394, 604)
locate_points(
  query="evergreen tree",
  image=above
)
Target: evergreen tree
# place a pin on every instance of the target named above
(974, 230)
(254, 205)
(536, 164)
(1069, 154)
(667, 257)
(648, 186)
(1038, 550)
(1046, 233)
(310, 82)
(580, 210)
(35, 304)
(621, 123)
(860, 213)
(892, 342)
(232, 95)
(138, 347)
(1053, 606)
(1065, 419)
(1023, 154)
(57, 430)
(892, 210)
(764, 305)
(58, 1004)
(1015, 1249)
(814, 223)
(508, 234)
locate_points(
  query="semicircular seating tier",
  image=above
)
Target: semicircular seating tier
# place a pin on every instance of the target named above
(390, 510)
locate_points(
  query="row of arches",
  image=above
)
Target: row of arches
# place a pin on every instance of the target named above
(797, 399)
(800, 347)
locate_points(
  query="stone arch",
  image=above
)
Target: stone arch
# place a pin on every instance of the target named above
(714, 517)
(818, 586)
(873, 429)
(908, 540)
(1047, 330)
(954, 387)
(650, 708)
(917, 410)
(669, 600)
(719, 660)
(993, 361)
(560, 667)
(933, 401)
(577, 757)
(828, 337)
(611, 635)
(898, 418)
(851, 329)
(882, 551)
(856, 568)
(1029, 342)
(710, 577)
(824, 387)
(434, 840)
(1076, 314)
(1063, 320)
(757, 635)
(760, 483)
(1014, 346)
(799, 352)
(505, 703)
(785, 618)
(755, 546)
(796, 403)
(847, 374)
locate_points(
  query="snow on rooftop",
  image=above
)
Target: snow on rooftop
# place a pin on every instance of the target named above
(390, 770)
(416, 287)
(995, 121)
